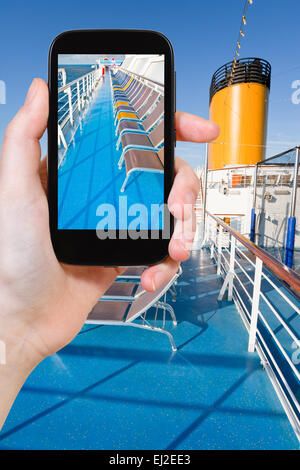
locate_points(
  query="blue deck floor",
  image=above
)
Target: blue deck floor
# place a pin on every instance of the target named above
(89, 175)
(121, 388)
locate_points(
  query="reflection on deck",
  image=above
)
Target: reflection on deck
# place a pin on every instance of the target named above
(121, 388)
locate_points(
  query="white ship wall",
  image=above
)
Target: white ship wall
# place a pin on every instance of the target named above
(226, 198)
(273, 210)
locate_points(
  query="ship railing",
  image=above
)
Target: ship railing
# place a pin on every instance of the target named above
(73, 100)
(281, 174)
(247, 70)
(263, 289)
(230, 178)
(243, 177)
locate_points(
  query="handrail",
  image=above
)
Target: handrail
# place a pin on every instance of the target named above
(285, 273)
(278, 155)
(69, 84)
(248, 285)
(238, 167)
(74, 100)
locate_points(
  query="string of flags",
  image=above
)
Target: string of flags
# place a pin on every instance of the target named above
(241, 35)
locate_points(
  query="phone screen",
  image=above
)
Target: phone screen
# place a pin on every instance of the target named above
(110, 118)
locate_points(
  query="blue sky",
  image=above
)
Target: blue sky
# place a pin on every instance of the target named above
(203, 33)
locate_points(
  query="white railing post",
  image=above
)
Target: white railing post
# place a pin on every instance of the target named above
(61, 138)
(83, 93)
(219, 249)
(90, 85)
(231, 267)
(78, 96)
(68, 92)
(228, 281)
(255, 305)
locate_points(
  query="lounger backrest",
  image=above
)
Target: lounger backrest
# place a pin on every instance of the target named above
(108, 311)
(117, 82)
(161, 155)
(138, 96)
(132, 90)
(145, 301)
(155, 115)
(137, 103)
(148, 104)
(128, 88)
(130, 93)
(157, 135)
(134, 272)
(131, 87)
(118, 76)
(124, 80)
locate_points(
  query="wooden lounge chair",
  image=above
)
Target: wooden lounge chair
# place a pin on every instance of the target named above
(116, 92)
(132, 95)
(136, 140)
(126, 312)
(145, 126)
(122, 98)
(123, 291)
(141, 109)
(134, 102)
(133, 272)
(144, 161)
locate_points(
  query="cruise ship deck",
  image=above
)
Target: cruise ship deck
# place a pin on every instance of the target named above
(93, 153)
(233, 382)
(123, 388)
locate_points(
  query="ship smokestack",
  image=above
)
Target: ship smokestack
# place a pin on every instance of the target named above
(239, 95)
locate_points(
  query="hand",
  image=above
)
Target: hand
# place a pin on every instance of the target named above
(44, 303)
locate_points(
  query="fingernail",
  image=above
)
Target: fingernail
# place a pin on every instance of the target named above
(31, 91)
(190, 198)
(153, 285)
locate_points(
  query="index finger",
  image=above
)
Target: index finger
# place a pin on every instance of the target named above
(194, 128)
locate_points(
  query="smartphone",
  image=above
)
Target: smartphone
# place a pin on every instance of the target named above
(111, 141)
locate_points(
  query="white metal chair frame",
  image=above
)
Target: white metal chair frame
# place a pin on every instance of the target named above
(159, 301)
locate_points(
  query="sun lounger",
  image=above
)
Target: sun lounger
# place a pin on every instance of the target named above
(136, 103)
(133, 272)
(145, 126)
(123, 291)
(132, 93)
(139, 111)
(140, 141)
(125, 313)
(142, 160)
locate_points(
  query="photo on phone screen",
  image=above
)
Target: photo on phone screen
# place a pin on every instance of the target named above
(110, 141)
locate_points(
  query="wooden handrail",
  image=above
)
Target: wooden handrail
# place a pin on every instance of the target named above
(282, 271)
